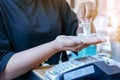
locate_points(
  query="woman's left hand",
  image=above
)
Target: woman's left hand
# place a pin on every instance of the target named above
(74, 43)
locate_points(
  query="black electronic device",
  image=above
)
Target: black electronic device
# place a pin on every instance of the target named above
(89, 68)
(94, 71)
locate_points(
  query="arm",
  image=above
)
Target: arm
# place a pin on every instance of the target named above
(24, 61)
(14, 64)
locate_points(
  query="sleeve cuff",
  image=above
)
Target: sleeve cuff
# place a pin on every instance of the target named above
(4, 60)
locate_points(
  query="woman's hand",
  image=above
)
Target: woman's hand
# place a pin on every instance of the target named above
(73, 43)
(87, 10)
(86, 14)
(67, 42)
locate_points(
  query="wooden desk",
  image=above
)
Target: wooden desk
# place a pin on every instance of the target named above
(40, 71)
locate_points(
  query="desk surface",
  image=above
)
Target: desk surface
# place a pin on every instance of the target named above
(40, 71)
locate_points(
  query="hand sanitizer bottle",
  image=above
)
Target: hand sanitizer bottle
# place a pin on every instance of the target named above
(90, 50)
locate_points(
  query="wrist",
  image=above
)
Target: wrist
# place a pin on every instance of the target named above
(56, 46)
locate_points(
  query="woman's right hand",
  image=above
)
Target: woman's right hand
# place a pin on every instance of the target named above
(87, 10)
(73, 43)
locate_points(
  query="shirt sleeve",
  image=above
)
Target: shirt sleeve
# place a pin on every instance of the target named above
(69, 18)
(5, 49)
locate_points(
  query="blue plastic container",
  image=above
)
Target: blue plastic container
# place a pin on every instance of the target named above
(88, 51)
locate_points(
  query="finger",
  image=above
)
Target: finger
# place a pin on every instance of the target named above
(86, 41)
(70, 48)
(94, 11)
(92, 40)
(80, 47)
(88, 7)
(96, 40)
(72, 41)
(76, 39)
(76, 48)
(102, 39)
(81, 11)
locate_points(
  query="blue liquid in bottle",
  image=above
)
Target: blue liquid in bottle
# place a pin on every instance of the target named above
(88, 51)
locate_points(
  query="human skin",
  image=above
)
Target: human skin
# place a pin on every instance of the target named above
(26, 60)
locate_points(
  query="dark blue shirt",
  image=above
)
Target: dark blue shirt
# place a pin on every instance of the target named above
(28, 23)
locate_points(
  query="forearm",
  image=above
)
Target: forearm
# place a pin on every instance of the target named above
(24, 61)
